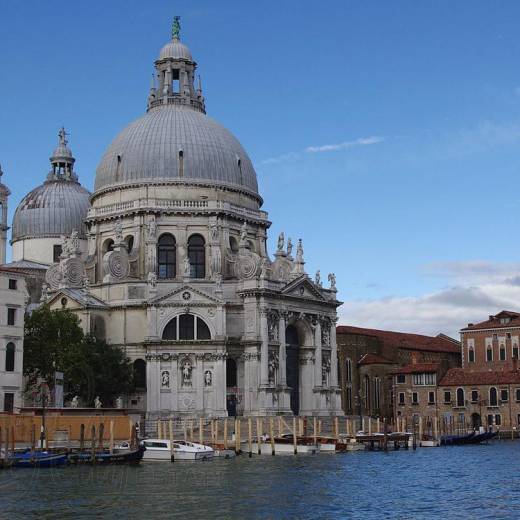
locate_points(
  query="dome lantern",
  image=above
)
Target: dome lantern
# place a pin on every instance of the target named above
(62, 160)
(175, 73)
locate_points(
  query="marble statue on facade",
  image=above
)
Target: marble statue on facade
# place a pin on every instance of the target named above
(317, 278)
(97, 402)
(118, 230)
(152, 229)
(207, 378)
(152, 280)
(299, 251)
(332, 281)
(289, 247)
(75, 402)
(165, 379)
(119, 402)
(187, 267)
(186, 373)
(281, 241)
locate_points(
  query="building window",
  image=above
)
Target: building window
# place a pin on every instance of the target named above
(498, 419)
(140, 374)
(377, 392)
(197, 256)
(471, 355)
(460, 397)
(348, 396)
(495, 337)
(424, 379)
(166, 257)
(515, 351)
(401, 378)
(8, 402)
(489, 353)
(493, 396)
(56, 253)
(517, 394)
(490, 418)
(348, 374)
(367, 391)
(502, 353)
(231, 373)
(415, 398)
(447, 397)
(401, 398)
(10, 350)
(12, 284)
(186, 327)
(518, 419)
(11, 316)
(508, 335)
(504, 395)
(474, 396)
(431, 397)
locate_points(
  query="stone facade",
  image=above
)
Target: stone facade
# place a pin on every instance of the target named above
(368, 359)
(13, 299)
(177, 272)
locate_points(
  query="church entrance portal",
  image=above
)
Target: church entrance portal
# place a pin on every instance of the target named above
(293, 367)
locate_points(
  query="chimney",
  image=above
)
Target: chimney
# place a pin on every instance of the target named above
(470, 324)
(491, 317)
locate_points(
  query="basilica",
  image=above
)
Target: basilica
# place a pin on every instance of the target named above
(167, 259)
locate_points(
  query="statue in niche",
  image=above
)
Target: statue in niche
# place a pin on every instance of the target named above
(186, 372)
(45, 292)
(152, 280)
(299, 251)
(325, 336)
(152, 229)
(325, 369)
(187, 267)
(263, 269)
(65, 248)
(208, 378)
(317, 278)
(281, 241)
(218, 282)
(165, 379)
(272, 366)
(75, 402)
(119, 402)
(97, 402)
(332, 281)
(289, 246)
(86, 284)
(243, 232)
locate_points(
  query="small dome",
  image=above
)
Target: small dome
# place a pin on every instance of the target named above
(62, 151)
(176, 50)
(55, 208)
(149, 150)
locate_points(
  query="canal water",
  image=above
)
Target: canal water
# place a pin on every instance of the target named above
(454, 482)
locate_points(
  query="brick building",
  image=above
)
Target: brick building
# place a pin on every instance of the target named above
(485, 390)
(368, 359)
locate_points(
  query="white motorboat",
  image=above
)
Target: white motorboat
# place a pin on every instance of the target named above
(280, 447)
(162, 449)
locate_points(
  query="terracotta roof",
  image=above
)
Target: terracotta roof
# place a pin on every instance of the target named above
(418, 368)
(374, 359)
(461, 376)
(493, 322)
(440, 343)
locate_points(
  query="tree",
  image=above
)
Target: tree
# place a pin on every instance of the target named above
(54, 341)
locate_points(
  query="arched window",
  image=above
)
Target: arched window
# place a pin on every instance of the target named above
(231, 372)
(493, 396)
(186, 327)
(489, 353)
(233, 244)
(197, 256)
(108, 245)
(140, 374)
(348, 375)
(166, 258)
(471, 355)
(460, 397)
(129, 243)
(9, 357)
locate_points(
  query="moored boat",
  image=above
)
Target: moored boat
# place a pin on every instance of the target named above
(163, 450)
(37, 459)
(105, 457)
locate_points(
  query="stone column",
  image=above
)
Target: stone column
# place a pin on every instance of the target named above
(282, 355)
(333, 354)
(264, 352)
(317, 354)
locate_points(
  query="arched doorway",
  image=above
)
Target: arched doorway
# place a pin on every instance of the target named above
(292, 367)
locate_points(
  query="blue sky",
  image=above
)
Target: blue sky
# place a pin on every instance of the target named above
(386, 135)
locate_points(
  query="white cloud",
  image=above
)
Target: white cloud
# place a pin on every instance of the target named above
(281, 158)
(362, 141)
(447, 310)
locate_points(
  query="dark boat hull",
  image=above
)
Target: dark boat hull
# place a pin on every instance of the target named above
(38, 460)
(103, 458)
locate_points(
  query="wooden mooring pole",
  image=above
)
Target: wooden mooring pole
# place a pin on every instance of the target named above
(295, 437)
(250, 435)
(271, 435)
(259, 434)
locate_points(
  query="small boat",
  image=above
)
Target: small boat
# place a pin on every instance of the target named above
(37, 459)
(479, 438)
(428, 443)
(161, 449)
(282, 445)
(457, 440)
(105, 457)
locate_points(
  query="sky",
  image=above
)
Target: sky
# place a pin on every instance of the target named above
(386, 135)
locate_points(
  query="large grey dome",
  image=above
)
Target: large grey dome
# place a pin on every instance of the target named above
(55, 208)
(153, 147)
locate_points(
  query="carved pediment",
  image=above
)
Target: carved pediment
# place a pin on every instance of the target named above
(302, 287)
(186, 295)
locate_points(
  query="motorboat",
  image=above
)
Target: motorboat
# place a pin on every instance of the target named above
(282, 445)
(164, 450)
